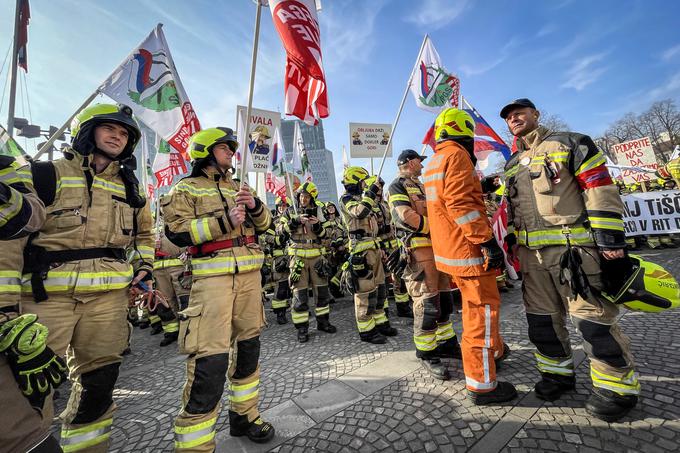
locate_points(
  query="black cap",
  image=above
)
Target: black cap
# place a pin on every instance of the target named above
(517, 103)
(408, 154)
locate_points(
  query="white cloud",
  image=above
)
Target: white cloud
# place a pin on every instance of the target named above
(481, 68)
(671, 86)
(584, 72)
(671, 52)
(546, 30)
(435, 14)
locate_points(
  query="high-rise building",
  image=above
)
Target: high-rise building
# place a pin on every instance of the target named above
(320, 158)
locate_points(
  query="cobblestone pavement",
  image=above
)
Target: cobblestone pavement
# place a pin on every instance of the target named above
(338, 394)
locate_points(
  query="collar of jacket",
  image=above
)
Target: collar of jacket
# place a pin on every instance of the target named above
(449, 145)
(213, 174)
(110, 171)
(403, 173)
(533, 138)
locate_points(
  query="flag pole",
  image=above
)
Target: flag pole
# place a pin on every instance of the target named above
(401, 106)
(253, 64)
(13, 73)
(290, 187)
(61, 130)
(423, 149)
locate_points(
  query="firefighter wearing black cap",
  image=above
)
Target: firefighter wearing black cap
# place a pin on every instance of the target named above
(567, 217)
(304, 228)
(218, 221)
(25, 360)
(95, 247)
(430, 289)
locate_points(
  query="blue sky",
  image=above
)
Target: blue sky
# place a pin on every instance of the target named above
(588, 61)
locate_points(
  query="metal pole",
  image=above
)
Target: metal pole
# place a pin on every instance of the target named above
(290, 187)
(13, 73)
(371, 165)
(423, 149)
(61, 130)
(253, 64)
(401, 106)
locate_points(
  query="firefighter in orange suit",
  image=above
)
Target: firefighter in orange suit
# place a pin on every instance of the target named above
(218, 221)
(95, 247)
(464, 247)
(26, 409)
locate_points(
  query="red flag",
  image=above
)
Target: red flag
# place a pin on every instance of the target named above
(305, 82)
(24, 17)
(499, 223)
(429, 138)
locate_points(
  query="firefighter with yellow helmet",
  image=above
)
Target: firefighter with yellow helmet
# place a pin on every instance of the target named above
(567, 216)
(365, 273)
(303, 226)
(25, 358)
(95, 247)
(280, 269)
(218, 221)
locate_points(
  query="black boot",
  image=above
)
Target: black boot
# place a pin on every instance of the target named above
(156, 328)
(404, 310)
(257, 431)
(552, 386)
(144, 324)
(436, 368)
(503, 392)
(609, 406)
(169, 338)
(324, 325)
(506, 353)
(127, 351)
(449, 349)
(302, 334)
(386, 329)
(281, 317)
(373, 336)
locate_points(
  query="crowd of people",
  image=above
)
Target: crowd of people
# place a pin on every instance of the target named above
(83, 263)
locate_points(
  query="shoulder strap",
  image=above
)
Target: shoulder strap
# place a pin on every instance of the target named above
(45, 180)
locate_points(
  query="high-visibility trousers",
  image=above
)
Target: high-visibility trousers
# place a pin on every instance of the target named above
(93, 329)
(167, 281)
(368, 310)
(547, 304)
(225, 312)
(309, 278)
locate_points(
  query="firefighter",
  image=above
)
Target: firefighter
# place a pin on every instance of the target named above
(465, 248)
(217, 221)
(27, 408)
(172, 278)
(567, 216)
(336, 247)
(280, 270)
(430, 289)
(388, 244)
(365, 275)
(309, 269)
(76, 275)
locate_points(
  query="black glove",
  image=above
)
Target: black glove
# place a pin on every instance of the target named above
(395, 263)
(294, 221)
(36, 368)
(493, 255)
(490, 184)
(5, 192)
(511, 240)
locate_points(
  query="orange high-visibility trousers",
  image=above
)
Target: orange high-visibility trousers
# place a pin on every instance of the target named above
(481, 341)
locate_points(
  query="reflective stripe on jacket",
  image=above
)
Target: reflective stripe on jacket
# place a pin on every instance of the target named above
(406, 198)
(456, 211)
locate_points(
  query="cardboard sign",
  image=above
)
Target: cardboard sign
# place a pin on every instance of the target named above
(635, 153)
(262, 125)
(369, 139)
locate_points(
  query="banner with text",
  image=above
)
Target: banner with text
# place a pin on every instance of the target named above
(262, 125)
(369, 140)
(648, 213)
(635, 153)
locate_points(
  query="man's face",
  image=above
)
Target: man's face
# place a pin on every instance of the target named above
(223, 155)
(522, 120)
(282, 208)
(415, 167)
(111, 138)
(305, 199)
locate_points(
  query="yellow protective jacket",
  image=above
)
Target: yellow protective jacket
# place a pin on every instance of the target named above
(303, 241)
(196, 212)
(360, 220)
(558, 183)
(21, 213)
(406, 198)
(388, 240)
(670, 171)
(89, 212)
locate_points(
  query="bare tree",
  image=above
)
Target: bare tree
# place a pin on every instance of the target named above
(667, 117)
